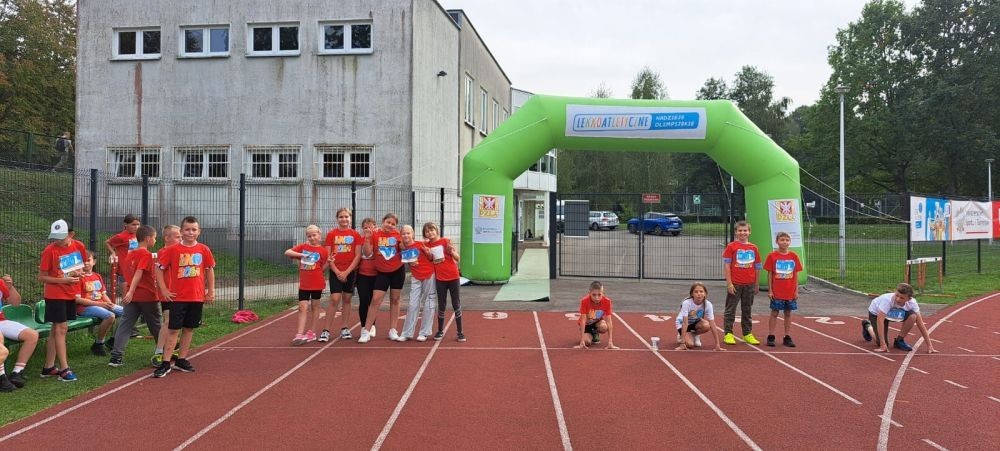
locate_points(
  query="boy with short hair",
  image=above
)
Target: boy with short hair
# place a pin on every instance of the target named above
(59, 269)
(595, 317)
(899, 306)
(189, 265)
(93, 302)
(121, 243)
(741, 261)
(140, 295)
(13, 330)
(171, 236)
(783, 267)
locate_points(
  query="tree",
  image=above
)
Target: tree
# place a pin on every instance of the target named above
(647, 85)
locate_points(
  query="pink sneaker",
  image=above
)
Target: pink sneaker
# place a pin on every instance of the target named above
(299, 339)
(310, 335)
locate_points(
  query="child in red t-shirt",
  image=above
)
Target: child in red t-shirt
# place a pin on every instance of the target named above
(60, 269)
(343, 244)
(423, 293)
(782, 267)
(171, 236)
(595, 318)
(93, 302)
(445, 257)
(386, 244)
(312, 260)
(141, 296)
(119, 244)
(741, 261)
(367, 273)
(189, 265)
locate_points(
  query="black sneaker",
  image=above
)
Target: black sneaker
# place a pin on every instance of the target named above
(901, 344)
(98, 349)
(438, 336)
(162, 370)
(865, 324)
(5, 384)
(50, 372)
(461, 337)
(116, 360)
(183, 365)
(788, 341)
(17, 378)
(770, 340)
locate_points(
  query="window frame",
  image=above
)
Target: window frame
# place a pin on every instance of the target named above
(321, 150)
(275, 39)
(484, 97)
(348, 37)
(496, 114)
(114, 162)
(139, 44)
(180, 161)
(207, 41)
(274, 163)
(470, 101)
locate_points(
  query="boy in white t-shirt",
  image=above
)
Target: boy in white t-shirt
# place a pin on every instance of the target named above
(899, 306)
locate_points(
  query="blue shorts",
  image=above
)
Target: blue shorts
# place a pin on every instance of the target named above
(101, 313)
(778, 304)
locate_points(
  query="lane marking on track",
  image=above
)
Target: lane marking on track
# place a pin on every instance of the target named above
(936, 340)
(996, 358)
(918, 370)
(254, 396)
(560, 418)
(890, 400)
(893, 422)
(955, 384)
(797, 370)
(965, 349)
(998, 333)
(380, 440)
(995, 399)
(129, 384)
(935, 445)
(876, 354)
(970, 326)
(725, 419)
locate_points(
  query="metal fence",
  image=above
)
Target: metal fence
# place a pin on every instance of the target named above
(247, 223)
(29, 150)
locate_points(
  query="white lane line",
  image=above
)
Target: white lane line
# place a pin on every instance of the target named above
(893, 422)
(918, 370)
(995, 399)
(970, 326)
(996, 358)
(935, 445)
(124, 386)
(998, 333)
(876, 354)
(890, 400)
(936, 340)
(380, 440)
(725, 419)
(254, 396)
(560, 418)
(966, 349)
(955, 384)
(797, 370)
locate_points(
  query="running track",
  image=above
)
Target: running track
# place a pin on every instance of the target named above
(518, 384)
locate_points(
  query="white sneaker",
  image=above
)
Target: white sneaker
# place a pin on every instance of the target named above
(697, 341)
(421, 338)
(364, 337)
(401, 339)
(393, 335)
(679, 339)
(372, 333)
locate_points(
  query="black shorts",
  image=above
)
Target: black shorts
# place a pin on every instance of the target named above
(394, 280)
(59, 310)
(592, 328)
(185, 315)
(164, 306)
(693, 327)
(306, 295)
(347, 286)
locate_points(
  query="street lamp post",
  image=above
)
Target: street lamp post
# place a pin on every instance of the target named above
(841, 90)
(989, 188)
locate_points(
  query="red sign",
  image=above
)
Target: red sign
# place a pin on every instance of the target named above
(650, 198)
(996, 219)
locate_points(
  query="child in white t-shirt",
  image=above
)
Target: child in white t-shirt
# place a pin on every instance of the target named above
(898, 306)
(695, 318)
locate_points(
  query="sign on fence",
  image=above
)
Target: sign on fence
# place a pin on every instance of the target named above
(935, 219)
(650, 198)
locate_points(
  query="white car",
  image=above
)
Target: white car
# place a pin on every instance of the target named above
(607, 220)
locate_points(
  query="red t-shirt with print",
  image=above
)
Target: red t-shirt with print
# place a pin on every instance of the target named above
(785, 269)
(91, 286)
(366, 267)
(447, 270)
(146, 290)
(743, 260)
(4, 294)
(344, 244)
(54, 262)
(122, 243)
(311, 266)
(387, 246)
(423, 268)
(589, 310)
(185, 267)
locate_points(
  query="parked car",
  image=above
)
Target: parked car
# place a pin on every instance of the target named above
(657, 224)
(607, 220)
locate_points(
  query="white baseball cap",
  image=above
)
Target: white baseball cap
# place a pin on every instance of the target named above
(59, 230)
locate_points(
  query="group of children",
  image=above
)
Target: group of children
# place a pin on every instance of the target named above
(741, 261)
(374, 260)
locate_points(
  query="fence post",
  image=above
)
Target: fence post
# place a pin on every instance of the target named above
(553, 206)
(354, 202)
(979, 256)
(413, 210)
(242, 238)
(442, 211)
(93, 210)
(909, 241)
(641, 235)
(30, 145)
(145, 199)
(944, 257)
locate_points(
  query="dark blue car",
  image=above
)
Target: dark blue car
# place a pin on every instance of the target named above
(657, 224)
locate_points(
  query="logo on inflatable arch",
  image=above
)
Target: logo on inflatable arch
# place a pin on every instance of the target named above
(597, 121)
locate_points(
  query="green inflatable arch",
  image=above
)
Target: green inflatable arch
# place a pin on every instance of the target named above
(713, 127)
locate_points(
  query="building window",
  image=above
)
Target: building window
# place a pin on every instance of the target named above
(202, 162)
(496, 114)
(136, 43)
(483, 106)
(134, 161)
(345, 162)
(470, 103)
(273, 162)
(204, 41)
(345, 37)
(506, 115)
(273, 39)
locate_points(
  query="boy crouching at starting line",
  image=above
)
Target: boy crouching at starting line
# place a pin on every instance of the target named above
(899, 306)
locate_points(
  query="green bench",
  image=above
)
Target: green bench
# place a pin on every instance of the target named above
(23, 314)
(76, 324)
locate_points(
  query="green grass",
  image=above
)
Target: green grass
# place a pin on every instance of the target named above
(94, 372)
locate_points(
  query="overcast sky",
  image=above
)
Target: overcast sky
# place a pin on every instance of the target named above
(566, 47)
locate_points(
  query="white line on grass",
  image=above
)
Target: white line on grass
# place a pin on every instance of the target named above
(935, 445)
(890, 400)
(254, 396)
(560, 418)
(87, 402)
(725, 419)
(842, 341)
(955, 384)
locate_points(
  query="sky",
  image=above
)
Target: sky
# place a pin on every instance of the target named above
(564, 47)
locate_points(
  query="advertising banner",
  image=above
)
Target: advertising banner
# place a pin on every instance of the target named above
(918, 218)
(603, 121)
(996, 220)
(785, 216)
(487, 219)
(938, 219)
(971, 220)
